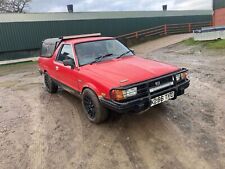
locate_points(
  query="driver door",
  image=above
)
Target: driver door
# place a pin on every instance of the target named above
(65, 74)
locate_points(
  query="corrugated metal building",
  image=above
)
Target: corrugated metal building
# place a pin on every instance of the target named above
(21, 33)
(219, 12)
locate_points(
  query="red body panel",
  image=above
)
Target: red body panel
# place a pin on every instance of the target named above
(103, 76)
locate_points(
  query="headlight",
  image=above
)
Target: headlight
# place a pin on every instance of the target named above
(178, 77)
(120, 95)
(182, 76)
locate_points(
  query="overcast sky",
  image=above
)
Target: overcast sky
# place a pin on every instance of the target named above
(117, 5)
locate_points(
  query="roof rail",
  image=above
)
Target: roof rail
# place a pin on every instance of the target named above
(80, 36)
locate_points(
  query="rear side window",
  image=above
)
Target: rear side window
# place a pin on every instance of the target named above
(49, 46)
(65, 53)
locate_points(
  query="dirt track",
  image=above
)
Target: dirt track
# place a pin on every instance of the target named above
(39, 130)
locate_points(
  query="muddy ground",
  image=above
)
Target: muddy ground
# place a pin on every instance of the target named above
(43, 131)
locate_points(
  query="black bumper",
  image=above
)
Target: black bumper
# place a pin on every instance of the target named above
(143, 104)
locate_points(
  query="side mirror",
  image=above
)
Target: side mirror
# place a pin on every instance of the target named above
(69, 62)
(132, 50)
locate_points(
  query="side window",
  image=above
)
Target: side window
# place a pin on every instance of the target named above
(47, 50)
(65, 53)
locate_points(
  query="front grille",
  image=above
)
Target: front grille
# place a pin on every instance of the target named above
(162, 84)
(161, 81)
(143, 89)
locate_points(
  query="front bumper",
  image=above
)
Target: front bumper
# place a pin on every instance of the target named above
(143, 104)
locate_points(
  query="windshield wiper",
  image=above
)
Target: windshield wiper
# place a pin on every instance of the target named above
(129, 51)
(99, 59)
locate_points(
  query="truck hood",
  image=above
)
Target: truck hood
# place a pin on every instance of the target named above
(127, 70)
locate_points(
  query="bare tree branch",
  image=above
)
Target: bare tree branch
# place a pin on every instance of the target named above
(13, 6)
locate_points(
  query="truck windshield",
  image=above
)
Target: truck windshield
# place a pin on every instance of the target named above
(97, 51)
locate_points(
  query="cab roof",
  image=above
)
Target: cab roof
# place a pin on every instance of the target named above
(51, 44)
(74, 39)
(89, 39)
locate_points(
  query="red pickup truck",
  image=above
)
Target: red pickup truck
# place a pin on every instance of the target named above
(106, 75)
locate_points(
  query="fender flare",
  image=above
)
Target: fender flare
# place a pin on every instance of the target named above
(92, 87)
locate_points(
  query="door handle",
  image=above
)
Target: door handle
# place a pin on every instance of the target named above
(56, 68)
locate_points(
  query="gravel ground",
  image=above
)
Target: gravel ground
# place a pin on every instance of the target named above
(43, 131)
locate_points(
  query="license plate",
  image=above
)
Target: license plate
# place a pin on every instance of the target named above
(163, 98)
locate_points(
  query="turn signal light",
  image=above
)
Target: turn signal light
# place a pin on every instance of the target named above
(184, 75)
(117, 95)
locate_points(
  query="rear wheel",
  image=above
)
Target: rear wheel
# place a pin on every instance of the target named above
(95, 112)
(50, 85)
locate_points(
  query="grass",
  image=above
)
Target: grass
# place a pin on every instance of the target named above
(18, 67)
(215, 44)
(191, 42)
(218, 44)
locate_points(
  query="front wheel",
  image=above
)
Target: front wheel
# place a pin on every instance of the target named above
(50, 85)
(95, 112)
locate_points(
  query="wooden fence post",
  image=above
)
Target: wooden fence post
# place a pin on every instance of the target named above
(136, 35)
(190, 27)
(165, 29)
(212, 23)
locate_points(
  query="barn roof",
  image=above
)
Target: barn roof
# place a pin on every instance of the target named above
(35, 17)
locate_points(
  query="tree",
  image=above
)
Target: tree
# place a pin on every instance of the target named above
(2, 5)
(13, 6)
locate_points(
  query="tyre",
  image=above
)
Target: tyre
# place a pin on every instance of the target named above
(50, 85)
(95, 112)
